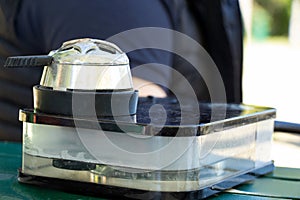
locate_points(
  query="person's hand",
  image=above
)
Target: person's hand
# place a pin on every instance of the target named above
(147, 88)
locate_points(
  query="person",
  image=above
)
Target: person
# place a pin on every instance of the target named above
(30, 27)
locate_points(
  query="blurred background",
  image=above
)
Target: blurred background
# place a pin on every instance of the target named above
(272, 55)
(272, 67)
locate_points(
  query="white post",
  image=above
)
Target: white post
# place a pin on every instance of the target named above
(246, 9)
(294, 28)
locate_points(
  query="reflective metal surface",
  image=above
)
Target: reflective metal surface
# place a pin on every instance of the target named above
(147, 155)
(165, 121)
(62, 152)
(88, 64)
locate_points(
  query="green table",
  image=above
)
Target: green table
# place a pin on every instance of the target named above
(283, 183)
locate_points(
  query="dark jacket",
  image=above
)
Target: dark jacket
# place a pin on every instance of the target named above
(217, 26)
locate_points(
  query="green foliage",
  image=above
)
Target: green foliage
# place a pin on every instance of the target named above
(261, 23)
(279, 14)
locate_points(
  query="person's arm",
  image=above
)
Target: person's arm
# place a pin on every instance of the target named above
(147, 88)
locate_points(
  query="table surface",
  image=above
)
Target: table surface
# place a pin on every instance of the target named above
(283, 183)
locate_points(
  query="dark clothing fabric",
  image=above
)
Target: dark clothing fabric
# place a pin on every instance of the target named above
(221, 24)
(29, 27)
(217, 26)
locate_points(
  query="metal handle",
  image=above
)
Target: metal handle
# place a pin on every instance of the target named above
(28, 61)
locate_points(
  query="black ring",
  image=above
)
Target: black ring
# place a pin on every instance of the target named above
(47, 100)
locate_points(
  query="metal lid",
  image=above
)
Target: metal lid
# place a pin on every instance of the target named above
(84, 64)
(88, 64)
(89, 52)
